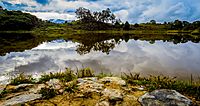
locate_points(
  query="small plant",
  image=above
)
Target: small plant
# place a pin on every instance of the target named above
(71, 87)
(102, 75)
(85, 72)
(66, 76)
(48, 93)
(162, 82)
(22, 79)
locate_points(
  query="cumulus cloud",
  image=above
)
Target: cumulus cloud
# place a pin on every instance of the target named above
(128, 10)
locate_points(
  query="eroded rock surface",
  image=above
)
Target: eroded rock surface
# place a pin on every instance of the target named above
(21, 99)
(164, 97)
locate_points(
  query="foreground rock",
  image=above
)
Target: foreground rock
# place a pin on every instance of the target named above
(113, 80)
(164, 97)
(21, 99)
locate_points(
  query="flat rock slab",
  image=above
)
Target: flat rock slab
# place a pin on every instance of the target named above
(164, 97)
(115, 80)
(21, 99)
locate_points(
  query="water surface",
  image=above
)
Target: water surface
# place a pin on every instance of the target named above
(107, 54)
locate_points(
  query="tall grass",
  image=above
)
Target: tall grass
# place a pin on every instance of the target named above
(189, 88)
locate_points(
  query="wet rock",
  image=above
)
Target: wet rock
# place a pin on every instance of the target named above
(21, 99)
(115, 80)
(113, 94)
(164, 97)
(54, 84)
(103, 103)
(37, 89)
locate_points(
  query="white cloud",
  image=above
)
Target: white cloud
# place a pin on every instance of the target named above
(53, 15)
(131, 10)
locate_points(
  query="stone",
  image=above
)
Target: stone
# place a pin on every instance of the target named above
(23, 86)
(115, 80)
(37, 89)
(21, 99)
(113, 94)
(164, 97)
(103, 103)
(54, 84)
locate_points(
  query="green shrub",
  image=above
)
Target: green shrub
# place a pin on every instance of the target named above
(66, 76)
(102, 75)
(162, 82)
(22, 79)
(48, 93)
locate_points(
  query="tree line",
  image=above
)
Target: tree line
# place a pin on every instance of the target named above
(17, 20)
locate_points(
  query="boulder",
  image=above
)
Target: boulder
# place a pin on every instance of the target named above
(103, 103)
(113, 94)
(23, 86)
(114, 80)
(89, 85)
(54, 84)
(164, 97)
(37, 89)
(21, 99)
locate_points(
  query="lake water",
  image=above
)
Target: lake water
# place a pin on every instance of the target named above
(110, 55)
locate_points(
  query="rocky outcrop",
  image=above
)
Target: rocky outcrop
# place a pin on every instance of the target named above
(164, 97)
(91, 91)
(21, 99)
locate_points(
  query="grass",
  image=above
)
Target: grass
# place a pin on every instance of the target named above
(189, 88)
(66, 76)
(22, 79)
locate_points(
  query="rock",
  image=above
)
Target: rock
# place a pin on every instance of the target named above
(102, 103)
(54, 84)
(115, 80)
(21, 99)
(37, 89)
(90, 86)
(83, 80)
(113, 94)
(23, 86)
(164, 97)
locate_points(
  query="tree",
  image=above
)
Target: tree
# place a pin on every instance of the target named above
(85, 15)
(126, 26)
(152, 22)
(178, 24)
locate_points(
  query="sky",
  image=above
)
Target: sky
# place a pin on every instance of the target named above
(134, 11)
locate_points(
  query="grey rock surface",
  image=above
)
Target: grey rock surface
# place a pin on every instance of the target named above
(21, 99)
(164, 97)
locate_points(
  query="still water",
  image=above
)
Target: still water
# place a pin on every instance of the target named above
(110, 55)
